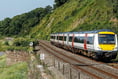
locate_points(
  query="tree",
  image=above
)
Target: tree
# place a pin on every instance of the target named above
(22, 24)
(4, 26)
(48, 9)
(58, 3)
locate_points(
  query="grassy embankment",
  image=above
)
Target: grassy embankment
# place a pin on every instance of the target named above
(77, 15)
(15, 71)
(18, 70)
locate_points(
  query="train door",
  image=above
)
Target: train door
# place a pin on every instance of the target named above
(67, 39)
(85, 42)
(90, 42)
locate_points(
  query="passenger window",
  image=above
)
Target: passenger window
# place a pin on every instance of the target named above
(78, 39)
(70, 39)
(90, 40)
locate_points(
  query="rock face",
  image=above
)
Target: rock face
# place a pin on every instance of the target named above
(16, 56)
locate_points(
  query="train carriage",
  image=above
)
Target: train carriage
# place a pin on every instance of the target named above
(97, 44)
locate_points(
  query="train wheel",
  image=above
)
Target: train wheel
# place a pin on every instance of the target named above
(95, 56)
(73, 50)
(89, 54)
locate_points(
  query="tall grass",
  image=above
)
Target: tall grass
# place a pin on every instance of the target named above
(16, 71)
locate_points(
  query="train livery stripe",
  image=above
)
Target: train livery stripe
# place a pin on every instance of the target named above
(106, 33)
(85, 42)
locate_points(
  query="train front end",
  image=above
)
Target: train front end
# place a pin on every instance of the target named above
(107, 44)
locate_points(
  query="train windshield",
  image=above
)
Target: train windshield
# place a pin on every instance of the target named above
(106, 39)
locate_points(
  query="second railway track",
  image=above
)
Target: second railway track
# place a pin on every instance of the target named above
(94, 69)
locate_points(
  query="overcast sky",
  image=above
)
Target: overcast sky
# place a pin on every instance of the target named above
(10, 8)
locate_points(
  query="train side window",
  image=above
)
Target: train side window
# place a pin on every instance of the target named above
(76, 39)
(64, 38)
(57, 37)
(70, 39)
(61, 38)
(79, 39)
(89, 40)
(52, 37)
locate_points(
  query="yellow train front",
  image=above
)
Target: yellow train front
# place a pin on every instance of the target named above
(106, 44)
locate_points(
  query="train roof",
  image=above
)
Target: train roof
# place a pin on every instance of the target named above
(82, 32)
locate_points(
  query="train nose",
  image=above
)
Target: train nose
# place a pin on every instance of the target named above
(107, 47)
(112, 55)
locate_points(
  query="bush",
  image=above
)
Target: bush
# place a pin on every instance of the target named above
(21, 42)
(6, 43)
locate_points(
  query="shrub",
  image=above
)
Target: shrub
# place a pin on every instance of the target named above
(21, 42)
(6, 43)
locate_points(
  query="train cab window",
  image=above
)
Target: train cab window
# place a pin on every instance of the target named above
(106, 39)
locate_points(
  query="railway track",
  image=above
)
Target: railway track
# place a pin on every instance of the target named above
(114, 65)
(94, 69)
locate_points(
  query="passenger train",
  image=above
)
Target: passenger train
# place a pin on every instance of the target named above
(98, 44)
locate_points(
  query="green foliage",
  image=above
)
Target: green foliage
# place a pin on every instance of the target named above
(22, 24)
(77, 15)
(2, 62)
(58, 3)
(21, 42)
(115, 7)
(2, 45)
(24, 42)
(6, 43)
(12, 48)
(16, 71)
(94, 26)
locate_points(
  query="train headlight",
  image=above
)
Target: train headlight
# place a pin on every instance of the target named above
(99, 48)
(116, 48)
